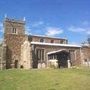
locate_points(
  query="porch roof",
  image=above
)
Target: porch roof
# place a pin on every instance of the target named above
(55, 44)
(53, 52)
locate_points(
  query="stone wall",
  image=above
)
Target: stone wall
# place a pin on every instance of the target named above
(25, 55)
(14, 36)
(77, 55)
(48, 39)
(2, 56)
(13, 52)
(86, 55)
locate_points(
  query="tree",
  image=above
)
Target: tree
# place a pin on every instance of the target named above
(88, 39)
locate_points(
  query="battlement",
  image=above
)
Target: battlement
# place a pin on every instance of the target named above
(14, 20)
(14, 26)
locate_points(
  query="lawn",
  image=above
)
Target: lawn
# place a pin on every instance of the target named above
(45, 79)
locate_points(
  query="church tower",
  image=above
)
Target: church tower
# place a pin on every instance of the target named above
(14, 36)
(12, 26)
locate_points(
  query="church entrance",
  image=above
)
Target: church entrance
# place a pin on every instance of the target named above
(16, 64)
(61, 57)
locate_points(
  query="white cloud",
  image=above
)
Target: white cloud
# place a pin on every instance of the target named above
(38, 23)
(85, 30)
(85, 23)
(1, 28)
(1, 25)
(1, 40)
(75, 43)
(27, 30)
(88, 32)
(52, 31)
(76, 29)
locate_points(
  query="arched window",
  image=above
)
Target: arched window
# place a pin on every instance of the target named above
(42, 40)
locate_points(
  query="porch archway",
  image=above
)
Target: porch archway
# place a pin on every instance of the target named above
(62, 56)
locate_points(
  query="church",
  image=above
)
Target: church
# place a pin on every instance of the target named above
(36, 51)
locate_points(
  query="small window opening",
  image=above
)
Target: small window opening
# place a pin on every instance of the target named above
(14, 30)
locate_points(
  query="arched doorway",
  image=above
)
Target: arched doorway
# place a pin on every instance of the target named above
(62, 58)
(16, 64)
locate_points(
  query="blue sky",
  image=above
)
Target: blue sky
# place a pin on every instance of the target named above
(59, 18)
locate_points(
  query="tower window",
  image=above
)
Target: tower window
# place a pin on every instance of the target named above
(14, 30)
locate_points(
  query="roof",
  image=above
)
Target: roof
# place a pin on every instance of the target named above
(52, 52)
(43, 36)
(55, 44)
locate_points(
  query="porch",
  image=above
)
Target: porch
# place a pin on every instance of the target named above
(59, 59)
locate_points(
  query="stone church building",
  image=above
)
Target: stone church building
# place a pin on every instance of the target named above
(34, 51)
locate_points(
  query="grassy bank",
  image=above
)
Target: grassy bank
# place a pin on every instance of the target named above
(51, 79)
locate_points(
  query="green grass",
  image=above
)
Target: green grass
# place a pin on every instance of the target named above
(45, 79)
